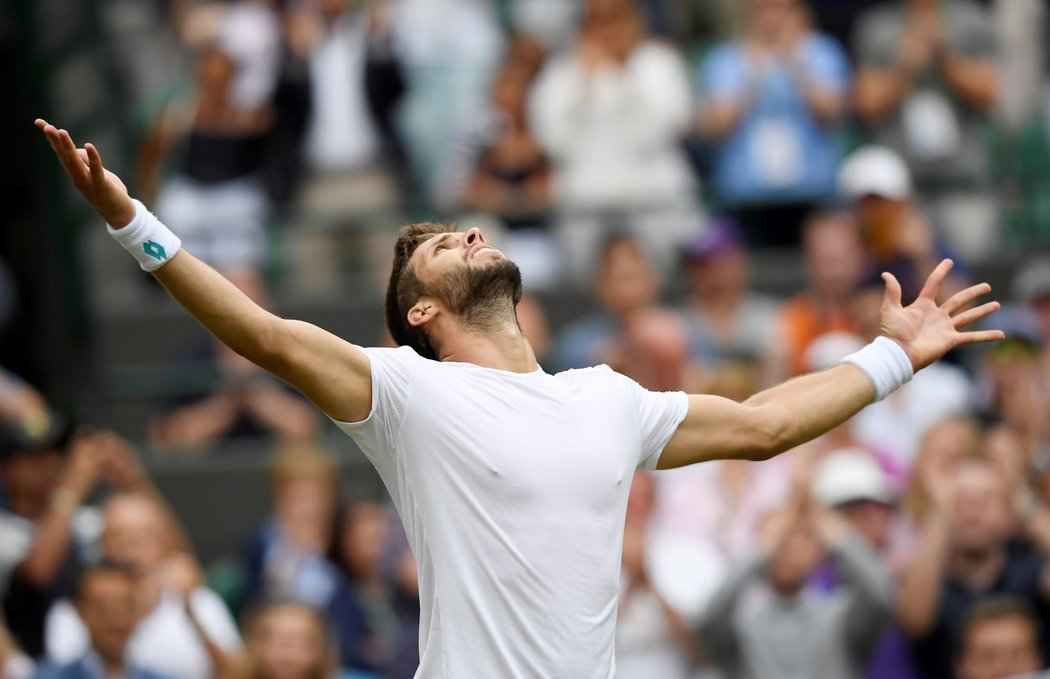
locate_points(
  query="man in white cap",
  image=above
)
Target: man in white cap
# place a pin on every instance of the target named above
(897, 234)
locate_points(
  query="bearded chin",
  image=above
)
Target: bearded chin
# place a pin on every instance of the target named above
(484, 296)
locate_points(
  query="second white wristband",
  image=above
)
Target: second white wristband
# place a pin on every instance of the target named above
(886, 363)
(151, 243)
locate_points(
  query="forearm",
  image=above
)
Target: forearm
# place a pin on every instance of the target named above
(975, 82)
(718, 120)
(221, 307)
(52, 543)
(920, 591)
(806, 407)
(826, 105)
(219, 659)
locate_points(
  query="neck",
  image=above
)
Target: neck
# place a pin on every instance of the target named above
(503, 348)
(112, 664)
(978, 567)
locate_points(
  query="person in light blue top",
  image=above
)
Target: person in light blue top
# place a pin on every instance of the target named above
(773, 98)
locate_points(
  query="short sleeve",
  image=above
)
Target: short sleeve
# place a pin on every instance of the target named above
(16, 538)
(722, 75)
(215, 619)
(828, 65)
(391, 371)
(659, 413)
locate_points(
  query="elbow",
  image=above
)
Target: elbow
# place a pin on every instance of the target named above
(35, 573)
(770, 434)
(267, 349)
(912, 621)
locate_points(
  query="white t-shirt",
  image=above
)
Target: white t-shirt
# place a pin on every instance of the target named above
(165, 640)
(512, 488)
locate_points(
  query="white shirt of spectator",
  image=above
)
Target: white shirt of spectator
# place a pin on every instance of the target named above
(250, 33)
(341, 136)
(686, 573)
(164, 641)
(613, 135)
(17, 535)
(512, 488)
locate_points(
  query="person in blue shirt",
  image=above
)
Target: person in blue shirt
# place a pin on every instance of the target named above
(106, 603)
(773, 97)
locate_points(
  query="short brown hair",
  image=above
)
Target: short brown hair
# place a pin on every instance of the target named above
(994, 609)
(405, 288)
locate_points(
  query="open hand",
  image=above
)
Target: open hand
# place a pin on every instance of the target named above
(102, 189)
(927, 331)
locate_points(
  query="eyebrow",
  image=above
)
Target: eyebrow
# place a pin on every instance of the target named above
(437, 241)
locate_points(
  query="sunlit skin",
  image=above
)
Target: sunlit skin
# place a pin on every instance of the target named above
(106, 605)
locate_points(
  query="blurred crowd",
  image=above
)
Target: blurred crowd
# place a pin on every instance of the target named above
(645, 151)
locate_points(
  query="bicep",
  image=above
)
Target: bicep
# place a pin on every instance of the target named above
(716, 428)
(333, 373)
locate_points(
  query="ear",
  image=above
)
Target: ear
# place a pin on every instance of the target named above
(423, 312)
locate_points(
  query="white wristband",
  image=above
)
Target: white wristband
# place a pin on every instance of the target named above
(151, 243)
(885, 362)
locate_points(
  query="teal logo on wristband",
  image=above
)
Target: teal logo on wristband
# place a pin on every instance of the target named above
(154, 250)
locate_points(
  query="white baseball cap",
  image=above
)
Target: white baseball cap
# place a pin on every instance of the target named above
(874, 170)
(850, 475)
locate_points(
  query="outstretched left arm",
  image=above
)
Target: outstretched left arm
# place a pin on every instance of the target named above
(796, 411)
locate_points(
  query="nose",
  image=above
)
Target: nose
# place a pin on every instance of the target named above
(473, 235)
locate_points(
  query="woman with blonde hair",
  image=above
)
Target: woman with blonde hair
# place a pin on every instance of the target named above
(287, 640)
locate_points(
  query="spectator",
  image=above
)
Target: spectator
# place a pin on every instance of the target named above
(183, 629)
(785, 630)
(896, 232)
(347, 84)
(511, 175)
(851, 483)
(943, 448)
(213, 198)
(624, 285)
(927, 80)
(285, 557)
(1013, 386)
(106, 603)
(728, 320)
(48, 533)
(964, 556)
(1031, 287)
(1000, 639)
(774, 96)
(247, 403)
(834, 260)
(371, 633)
(287, 640)
(666, 582)
(610, 114)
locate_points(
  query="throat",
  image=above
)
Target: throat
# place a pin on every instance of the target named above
(502, 348)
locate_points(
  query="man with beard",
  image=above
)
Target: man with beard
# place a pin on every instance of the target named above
(512, 483)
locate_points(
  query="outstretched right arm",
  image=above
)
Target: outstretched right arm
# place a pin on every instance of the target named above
(328, 370)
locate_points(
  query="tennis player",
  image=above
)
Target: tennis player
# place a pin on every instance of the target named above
(512, 483)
